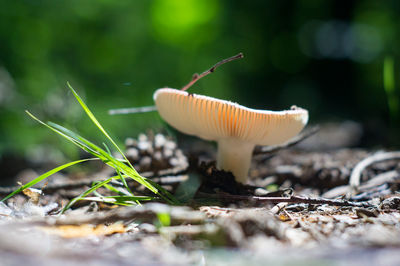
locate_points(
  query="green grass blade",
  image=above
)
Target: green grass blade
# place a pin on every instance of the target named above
(164, 219)
(124, 182)
(96, 122)
(138, 178)
(389, 86)
(77, 143)
(130, 171)
(102, 154)
(96, 151)
(105, 156)
(44, 176)
(127, 198)
(169, 197)
(87, 192)
(119, 191)
(97, 194)
(123, 167)
(119, 200)
(388, 74)
(111, 201)
(119, 173)
(90, 146)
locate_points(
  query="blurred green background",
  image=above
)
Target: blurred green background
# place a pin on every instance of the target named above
(325, 56)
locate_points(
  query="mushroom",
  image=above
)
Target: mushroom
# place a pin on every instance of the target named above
(236, 129)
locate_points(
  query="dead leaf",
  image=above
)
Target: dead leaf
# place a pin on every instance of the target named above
(85, 230)
(33, 194)
(284, 217)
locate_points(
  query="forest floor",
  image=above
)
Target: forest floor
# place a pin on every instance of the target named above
(316, 203)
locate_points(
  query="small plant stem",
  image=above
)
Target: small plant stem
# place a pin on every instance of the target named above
(133, 110)
(196, 76)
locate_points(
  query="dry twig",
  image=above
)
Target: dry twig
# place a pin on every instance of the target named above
(293, 199)
(196, 76)
(357, 170)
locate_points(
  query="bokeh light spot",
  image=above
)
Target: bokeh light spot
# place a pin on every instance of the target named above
(338, 40)
(177, 22)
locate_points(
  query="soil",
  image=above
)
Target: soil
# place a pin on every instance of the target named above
(298, 208)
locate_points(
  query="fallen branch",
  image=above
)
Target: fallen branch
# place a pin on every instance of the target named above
(196, 76)
(363, 164)
(292, 199)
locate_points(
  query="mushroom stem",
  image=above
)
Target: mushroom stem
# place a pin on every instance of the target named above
(235, 156)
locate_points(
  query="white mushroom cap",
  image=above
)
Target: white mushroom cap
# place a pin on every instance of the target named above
(237, 127)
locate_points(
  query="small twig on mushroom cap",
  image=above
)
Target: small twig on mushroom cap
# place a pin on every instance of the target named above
(196, 76)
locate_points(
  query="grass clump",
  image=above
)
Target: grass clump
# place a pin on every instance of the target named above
(123, 167)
